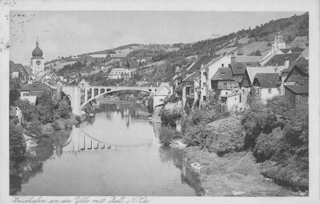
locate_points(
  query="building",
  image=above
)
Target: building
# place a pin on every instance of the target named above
(267, 85)
(297, 95)
(37, 63)
(191, 90)
(297, 82)
(18, 70)
(278, 47)
(162, 92)
(208, 71)
(248, 78)
(35, 91)
(119, 73)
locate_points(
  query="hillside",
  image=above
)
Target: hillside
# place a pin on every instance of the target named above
(158, 61)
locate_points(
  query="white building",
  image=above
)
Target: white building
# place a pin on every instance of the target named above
(162, 92)
(267, 85)
(37, 63)
(278, 47)
(119, 73)
(208, 71)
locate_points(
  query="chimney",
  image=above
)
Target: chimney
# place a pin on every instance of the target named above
(220, 54)
(286, 62)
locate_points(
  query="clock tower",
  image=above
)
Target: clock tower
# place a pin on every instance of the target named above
(37, 63)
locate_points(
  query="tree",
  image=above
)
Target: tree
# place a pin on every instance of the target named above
(17, 149)
(28, 110)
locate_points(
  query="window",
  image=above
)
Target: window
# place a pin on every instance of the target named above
(204, 83)
(226, 93)
(222, 65)
(25, 94)
(269, 91)
(240, 99)
(279, 90)
(161, 99)
(204, 98)
(225, 83)
(204, 73)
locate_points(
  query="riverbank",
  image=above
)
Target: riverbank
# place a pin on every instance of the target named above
(234, 174)
(226, 168)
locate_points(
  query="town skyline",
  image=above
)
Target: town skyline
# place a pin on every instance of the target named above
(54, 29)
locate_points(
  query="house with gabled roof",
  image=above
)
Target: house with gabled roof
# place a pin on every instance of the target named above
(267, 85)
(248, 78)
(297, 82)
(35, 91)
(162, 92)
(297, 95)
(208, 71)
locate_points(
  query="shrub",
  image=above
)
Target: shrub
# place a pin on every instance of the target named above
(267, 145)
(167, 134)
(196, 135)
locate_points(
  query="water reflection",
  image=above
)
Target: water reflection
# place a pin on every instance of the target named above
(108, 156)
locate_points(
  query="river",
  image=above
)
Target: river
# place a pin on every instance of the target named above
(116, 152)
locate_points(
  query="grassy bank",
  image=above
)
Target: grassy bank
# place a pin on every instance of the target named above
(267, 146)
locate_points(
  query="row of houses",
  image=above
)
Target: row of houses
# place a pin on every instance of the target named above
(230, 79)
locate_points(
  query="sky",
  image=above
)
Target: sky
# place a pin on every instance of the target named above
(65, 33)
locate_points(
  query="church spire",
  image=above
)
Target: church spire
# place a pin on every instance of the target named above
(37, 43)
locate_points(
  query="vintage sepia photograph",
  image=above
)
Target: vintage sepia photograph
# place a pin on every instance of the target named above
(158, 103)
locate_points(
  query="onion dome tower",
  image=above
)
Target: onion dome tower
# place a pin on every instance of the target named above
(37, 62)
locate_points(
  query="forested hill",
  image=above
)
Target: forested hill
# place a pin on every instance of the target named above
(289, 27)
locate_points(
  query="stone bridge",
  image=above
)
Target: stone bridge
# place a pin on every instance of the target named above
(82, 95)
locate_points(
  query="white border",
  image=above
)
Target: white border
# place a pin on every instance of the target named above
(312, 6)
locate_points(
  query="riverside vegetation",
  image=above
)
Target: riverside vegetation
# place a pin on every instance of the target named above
(268, 140)
(46, 123)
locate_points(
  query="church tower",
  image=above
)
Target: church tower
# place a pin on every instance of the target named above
(37, 63)
(278, 43)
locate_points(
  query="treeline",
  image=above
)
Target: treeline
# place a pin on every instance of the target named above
(71, 68)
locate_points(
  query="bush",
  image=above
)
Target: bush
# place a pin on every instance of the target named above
(167, 134)
(169, 117)
(196, 135)
(267, 145)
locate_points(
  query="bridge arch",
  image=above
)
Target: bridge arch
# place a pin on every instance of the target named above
(150, 90)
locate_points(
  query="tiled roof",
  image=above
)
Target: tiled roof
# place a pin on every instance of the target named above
(252, 71)
(279, 59)
(36, 86)
(286, 50)
(213, 61)
(238, 68)
(297, 89)
(192, 77)
(243, 58)
(202, 61)
(267, 80)
(301, 62)
(223, 74)
(17, 68)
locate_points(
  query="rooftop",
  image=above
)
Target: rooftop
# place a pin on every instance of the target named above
(301, 63)
(238, 68)
(202, 61)
(223, 74)
(267, 80)
(280, 58)
(36, 86)
(297, 89)
(252, 71)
